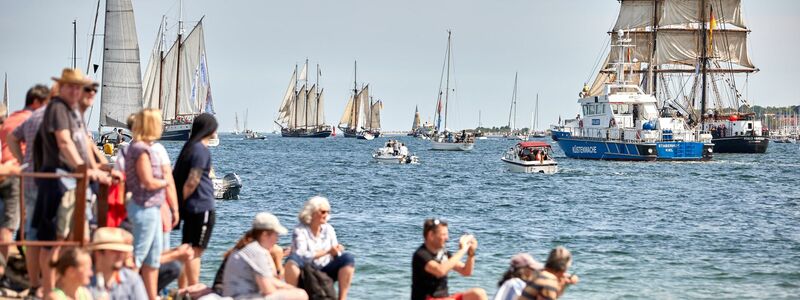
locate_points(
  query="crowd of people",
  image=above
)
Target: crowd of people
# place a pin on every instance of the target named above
(130, 256)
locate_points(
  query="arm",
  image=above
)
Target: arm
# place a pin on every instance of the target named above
(145, 173)
(300, 246)
(172, 195)
(66, 146)
(14, 146)
(466, 269)
(440, 269)
(192, 182)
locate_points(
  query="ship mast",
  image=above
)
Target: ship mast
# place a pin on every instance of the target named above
(703, 66)
(447, 85)
(178, 69)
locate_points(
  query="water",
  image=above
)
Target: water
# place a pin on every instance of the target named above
(729, 228)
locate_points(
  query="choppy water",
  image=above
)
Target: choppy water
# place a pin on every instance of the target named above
(729, 228)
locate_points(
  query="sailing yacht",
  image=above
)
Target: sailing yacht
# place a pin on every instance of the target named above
(177, 80)
(513, 133)
(362, 115)
(250, 134)
(302, 112)
(443, 139)
(534, 133)
(236, 130)
(121, 82)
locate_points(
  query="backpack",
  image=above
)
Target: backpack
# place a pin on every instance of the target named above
(317, 284)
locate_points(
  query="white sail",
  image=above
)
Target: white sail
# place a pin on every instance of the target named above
(684, 47)
(285, 109)
(347, 116)
(152, 75)
(169, 81)
(311, 107)
(691, 11)
(634, 14)
(417, 120)
(304, 72)
(320, 108)
(363, 97)
(122, 74)
(375, 117)
(299, 109)
(194, 82)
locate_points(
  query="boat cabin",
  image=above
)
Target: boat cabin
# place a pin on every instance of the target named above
(534, 151)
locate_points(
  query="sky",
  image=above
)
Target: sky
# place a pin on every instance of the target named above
(253, 46)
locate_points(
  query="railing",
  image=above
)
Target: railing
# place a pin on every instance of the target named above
(78, 214)
(633, 135)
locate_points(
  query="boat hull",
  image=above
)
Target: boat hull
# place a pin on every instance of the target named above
(452, 146)
(741, 144)
(176, 132)
(530, 167)
(305, 134)
(633, 151)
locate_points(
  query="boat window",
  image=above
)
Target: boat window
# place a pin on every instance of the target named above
(602, 108)
(615, 108)
(591, 110)
(624, 109)
(585, 110)
(749, 125)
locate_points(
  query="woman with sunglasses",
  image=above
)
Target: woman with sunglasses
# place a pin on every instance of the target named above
(314, 242)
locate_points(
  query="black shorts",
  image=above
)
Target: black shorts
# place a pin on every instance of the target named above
(197, 228)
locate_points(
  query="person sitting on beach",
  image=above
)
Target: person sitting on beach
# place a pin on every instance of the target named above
(523, 269)
(110, 247)
(249, 269)
(553, 280)
(74, 270)
(432, 262)
(314, 242)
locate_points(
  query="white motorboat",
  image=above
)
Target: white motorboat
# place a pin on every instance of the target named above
(394, 152)
(530, 157)
(228, 187)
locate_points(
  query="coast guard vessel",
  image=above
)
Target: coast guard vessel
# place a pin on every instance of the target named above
(624, 123)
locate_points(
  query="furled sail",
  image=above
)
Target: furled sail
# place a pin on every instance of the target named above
(122, 74)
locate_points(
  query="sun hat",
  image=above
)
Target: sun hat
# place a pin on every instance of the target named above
(522, 260)
(267, 221)
(73, 76)
(111, 238)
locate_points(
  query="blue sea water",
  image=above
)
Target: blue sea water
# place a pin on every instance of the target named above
(728, 228)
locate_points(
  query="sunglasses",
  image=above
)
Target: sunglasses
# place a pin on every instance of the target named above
(324, 212)
(90, 89)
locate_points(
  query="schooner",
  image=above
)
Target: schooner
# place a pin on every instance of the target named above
(302, 112)
(362, 116)
(177, 80)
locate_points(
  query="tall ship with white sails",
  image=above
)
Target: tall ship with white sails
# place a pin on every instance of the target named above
(121, 83)
(177, 80)
(443, 138)
(362, 115)
(693, 56)
(302, 111)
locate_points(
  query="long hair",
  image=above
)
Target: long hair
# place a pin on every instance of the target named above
(313, 205)
(248, 237)
(204, 125)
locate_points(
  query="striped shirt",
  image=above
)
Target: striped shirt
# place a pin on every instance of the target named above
(26, 132)
(242, 267)
(545, 286)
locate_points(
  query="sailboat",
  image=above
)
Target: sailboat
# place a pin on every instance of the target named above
(415, 126)
(177, 80)
(374, 117)
(236, 130)
(5, 94)
(355, 121)
(534, 133)
(302, 112)
(250, 134)
(121, 83)
(692, 55)
(443, 139)
(513, 133)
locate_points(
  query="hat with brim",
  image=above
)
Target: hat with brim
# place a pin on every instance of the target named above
(525, 260)
(111, 238)
(268, 221)
(72, 76)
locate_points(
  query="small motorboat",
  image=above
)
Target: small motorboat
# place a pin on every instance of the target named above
(228, 187)
(365, 135)
(252, 135)
(394, 152)
(530, 157)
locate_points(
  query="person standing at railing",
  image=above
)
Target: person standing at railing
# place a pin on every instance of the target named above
(55, 150)
(146, 182)
(25, 134)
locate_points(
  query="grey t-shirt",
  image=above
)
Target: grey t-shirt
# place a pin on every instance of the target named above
(242, 268)
(129, 287)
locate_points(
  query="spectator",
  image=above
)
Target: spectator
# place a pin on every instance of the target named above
(551, 283)
(110, 247)
(523, 269)
(74, 268)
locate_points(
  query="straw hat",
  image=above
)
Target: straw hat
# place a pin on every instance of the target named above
(111, 238)
(73, 76)
(268, 221)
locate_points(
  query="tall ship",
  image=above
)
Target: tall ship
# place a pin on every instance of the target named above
(121, 82)
(177, 80)
(443, 138)
(624, 123)
(302, 111)
(362, 115)
(693, 56)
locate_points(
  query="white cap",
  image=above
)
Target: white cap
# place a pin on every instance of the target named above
(267, 221)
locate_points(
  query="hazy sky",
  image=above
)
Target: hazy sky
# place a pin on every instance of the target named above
(252, 47)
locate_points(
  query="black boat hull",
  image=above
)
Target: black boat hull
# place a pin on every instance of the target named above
(741, 144)
(306, 134)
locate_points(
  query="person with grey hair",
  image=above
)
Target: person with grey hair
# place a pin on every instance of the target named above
(553, 280)
(314, 242)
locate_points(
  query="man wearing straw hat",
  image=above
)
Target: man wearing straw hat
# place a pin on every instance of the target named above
(55, 151)
(110, 247)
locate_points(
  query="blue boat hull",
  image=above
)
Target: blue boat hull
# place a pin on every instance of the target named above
(621, 150)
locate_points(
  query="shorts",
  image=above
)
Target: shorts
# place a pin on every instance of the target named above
(9, 211)
(458, 296)
(332, 268)
(197, 228)
(66, 212)
(30, 205)
(147, 234)
(46, 212)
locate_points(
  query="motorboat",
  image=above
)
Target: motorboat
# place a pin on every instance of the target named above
(394, 152)
(228, 187)
(530, 157)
